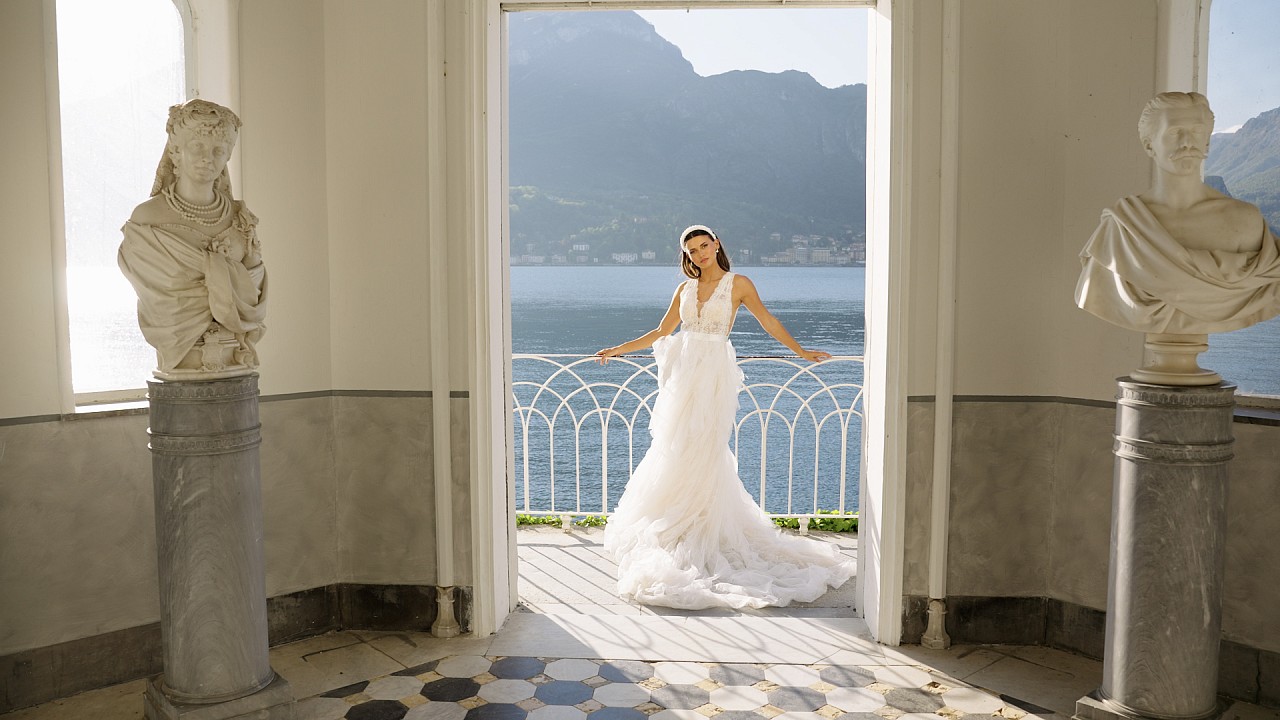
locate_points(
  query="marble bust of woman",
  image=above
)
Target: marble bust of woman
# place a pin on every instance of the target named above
(191, 253)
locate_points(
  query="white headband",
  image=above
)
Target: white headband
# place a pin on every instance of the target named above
(685, 235)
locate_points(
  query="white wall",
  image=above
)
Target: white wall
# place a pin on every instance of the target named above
(282, 152)
(1049, 98)
(1049, 95)
(1112, 46)
(29, 381)
(375, 110)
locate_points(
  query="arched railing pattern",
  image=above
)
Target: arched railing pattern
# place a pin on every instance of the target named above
(581, 428)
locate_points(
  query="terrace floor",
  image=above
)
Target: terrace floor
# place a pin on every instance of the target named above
(573, 651)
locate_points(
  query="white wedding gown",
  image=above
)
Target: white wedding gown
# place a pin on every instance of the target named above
(686, 534)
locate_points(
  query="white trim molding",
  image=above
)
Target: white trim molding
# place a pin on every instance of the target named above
(492, 519)
(944, 369)
(881, 555)
(1182, 45)
(882, 508)
(438, 290)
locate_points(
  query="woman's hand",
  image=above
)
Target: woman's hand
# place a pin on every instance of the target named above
(814, 355)
(603, 356)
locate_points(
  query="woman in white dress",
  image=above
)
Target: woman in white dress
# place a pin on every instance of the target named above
(686, 534)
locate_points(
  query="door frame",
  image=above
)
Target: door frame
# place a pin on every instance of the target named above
(882, 492)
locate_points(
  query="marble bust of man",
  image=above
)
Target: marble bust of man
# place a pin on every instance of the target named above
(191, 253)
(1180, 260)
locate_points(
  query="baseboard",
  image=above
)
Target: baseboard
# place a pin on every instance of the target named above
(36, 676)
(1244, 673)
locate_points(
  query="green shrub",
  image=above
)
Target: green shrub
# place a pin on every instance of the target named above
(552, 520)
(841, 522)
(836, 522)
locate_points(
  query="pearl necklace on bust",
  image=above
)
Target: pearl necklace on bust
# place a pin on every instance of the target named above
(206, 215)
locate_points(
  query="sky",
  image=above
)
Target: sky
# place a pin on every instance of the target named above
(1244, 60)
(830, 45)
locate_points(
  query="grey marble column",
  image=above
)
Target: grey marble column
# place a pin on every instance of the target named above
(213, 608)
(1164, 595)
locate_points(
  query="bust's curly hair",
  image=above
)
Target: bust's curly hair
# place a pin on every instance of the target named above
(204, 118)
(1168, 101)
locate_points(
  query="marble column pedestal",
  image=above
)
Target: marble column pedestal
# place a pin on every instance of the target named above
(213, 606)
(1164, 594)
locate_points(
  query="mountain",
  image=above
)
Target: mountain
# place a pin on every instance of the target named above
(1249, 162)
(616, 142)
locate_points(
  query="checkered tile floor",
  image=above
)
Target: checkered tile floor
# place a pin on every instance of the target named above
(470, 687)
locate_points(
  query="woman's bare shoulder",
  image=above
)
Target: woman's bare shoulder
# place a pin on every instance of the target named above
(152, 212)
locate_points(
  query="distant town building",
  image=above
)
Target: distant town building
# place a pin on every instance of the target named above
(648, 255)
(858, 252)
(625, 258)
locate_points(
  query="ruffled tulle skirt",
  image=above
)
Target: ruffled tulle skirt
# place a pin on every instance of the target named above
(686, 534)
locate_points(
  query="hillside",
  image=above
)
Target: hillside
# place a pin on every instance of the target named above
(1248, 161)
(617, 143)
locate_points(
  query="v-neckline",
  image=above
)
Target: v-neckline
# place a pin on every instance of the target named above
(698, 304)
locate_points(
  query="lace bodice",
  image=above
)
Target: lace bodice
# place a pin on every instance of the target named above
(716, 314)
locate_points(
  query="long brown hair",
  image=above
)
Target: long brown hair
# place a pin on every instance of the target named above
(686, 262)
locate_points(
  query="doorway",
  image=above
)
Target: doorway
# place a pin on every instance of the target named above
(495, 569)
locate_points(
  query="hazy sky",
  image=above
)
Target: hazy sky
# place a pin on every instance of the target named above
(1244, 73)
(830, 45)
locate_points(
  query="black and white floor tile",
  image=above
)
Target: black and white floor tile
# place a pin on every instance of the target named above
(471, 687)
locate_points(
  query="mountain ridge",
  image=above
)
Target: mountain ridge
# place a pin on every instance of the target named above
(1248, 161)
(617, 143)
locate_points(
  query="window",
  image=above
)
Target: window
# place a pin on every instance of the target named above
(1244, 90)
(120, 66)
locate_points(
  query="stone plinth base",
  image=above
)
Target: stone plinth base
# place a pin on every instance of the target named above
(274, 702)
(1093, 707)
(208, 497)
(1168, 520)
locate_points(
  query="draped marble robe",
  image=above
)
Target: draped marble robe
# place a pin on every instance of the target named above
(1136, 275)
(183, 288)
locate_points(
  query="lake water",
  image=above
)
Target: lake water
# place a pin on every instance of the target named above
(582, 309)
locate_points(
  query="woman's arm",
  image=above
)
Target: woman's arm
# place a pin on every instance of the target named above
(668, 325)
(744, 292)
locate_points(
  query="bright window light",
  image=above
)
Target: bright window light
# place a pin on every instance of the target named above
(120, 66)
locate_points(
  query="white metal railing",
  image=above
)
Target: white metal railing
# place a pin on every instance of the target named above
(581, 428)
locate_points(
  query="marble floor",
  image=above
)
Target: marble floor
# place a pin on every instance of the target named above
(574, 652)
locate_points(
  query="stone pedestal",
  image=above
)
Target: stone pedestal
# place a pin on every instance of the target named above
(1164, 594)
(213, 607)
